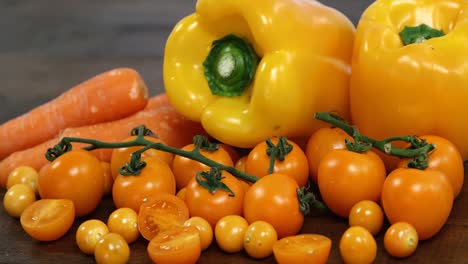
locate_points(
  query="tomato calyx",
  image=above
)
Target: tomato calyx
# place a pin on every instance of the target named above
(202, 142)
(277, 152)
(308, 200)
(57, 150)
(212, 181)
(142, 131)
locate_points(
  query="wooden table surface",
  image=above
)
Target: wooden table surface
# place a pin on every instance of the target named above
(48, 46)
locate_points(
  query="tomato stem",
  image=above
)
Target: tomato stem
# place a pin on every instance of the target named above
(277, 152)
(419, 149)
(212, 181)
(307, 200)
(65, 145)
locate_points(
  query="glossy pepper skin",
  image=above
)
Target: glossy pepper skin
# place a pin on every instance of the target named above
(420, 88)
(304, 52)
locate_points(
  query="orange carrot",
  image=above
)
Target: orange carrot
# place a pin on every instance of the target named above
(108, 96)
(158, 100)
(163, 120)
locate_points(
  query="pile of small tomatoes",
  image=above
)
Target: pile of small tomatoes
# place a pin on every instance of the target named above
(167, 202)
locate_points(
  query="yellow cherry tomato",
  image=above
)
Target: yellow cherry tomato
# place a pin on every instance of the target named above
(229, 233)
(17, 198)
(259, 239)
(23, 174)
(367, 214)
(401, 240)
(112, 249)
(206, 232)
(357, 246)
(123, 221)
(89, 233)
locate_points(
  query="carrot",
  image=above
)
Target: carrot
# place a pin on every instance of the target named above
(163, 120)
(158, 100)
(108, 96)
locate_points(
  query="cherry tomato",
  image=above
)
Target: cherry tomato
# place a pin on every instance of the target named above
(108, 180)
(185, 169)
(401, 240)
(48, 219)
(17, 198)
(423, 198)
(120, 156)
(367, 214)
(346, 177)
(89, 233)
(357, 246)
(161, 212)
(76, 175)
(206, 232)
(112, 249)
(123, 221)
(213, 206)
(232, 152)
(273, 198)
(178, 245)
(181, 193)
(320, 143)
(240, 163)
(295, 163)
(229, 233)
(259, 239)
(304, 248)
(23, 174)
(447, 159)
(131, 191)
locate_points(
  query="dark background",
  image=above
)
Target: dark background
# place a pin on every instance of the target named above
(47, 46)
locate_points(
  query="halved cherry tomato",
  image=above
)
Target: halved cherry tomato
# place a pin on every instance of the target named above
(48, 219)
(133, 190)
(259, 239)
(112, 249)
(23, 174)
(320, 143)
(367, 214)
(89, 233)
(18, 198)
(447, 159)
(346, 177)
(401, 240)
(205, 229)
(185, 169)
(76, 175)
(357, 246)
(120, 156)
(273, 198)
(178, 245)
(123, 221)
(304, 248)
(294, 165)
(213, 206)
(423, 198)
(161, 212)
(229, 233)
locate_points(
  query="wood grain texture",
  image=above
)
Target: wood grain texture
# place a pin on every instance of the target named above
(48, 46)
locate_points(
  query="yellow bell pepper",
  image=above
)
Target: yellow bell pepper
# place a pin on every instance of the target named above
(248, 70)
(410, 70)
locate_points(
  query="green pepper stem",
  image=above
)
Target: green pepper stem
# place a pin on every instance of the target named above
(141, 141)
(419, 34)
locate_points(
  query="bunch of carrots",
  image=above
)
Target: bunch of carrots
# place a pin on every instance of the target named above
(105, 107)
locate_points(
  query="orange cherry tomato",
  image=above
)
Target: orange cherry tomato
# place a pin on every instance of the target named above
(304, 248)
(108, 179)
(401, 240)
(23, 174)
(320, 143)
(181, 193)
(213, 206)
(185, 169)
(123, 221)
(89, 233)
(161, 212)
(76, 175)
(178, 245)
(48, 219)
(18, 198)
(273, 198)
(133, 190)
(205, 229)
(120, 156)
(232, 152)
(112, 249)
(447, 159)
(423, 198)
(259, 239)
(294, 165)
(346, 177)
(240, 163)
(229, 233)
(357, 246)
(367, 214)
